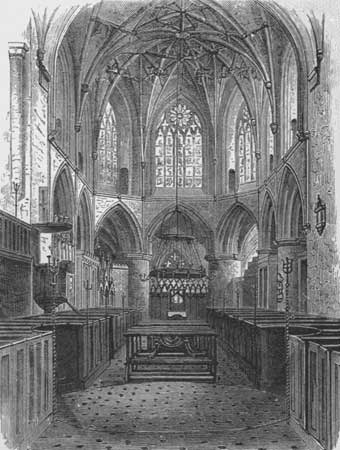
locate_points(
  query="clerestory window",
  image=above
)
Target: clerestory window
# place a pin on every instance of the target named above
(178, 149)
(107, 149)
(245, 147)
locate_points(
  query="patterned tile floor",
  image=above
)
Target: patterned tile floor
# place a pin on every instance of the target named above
(111, 415)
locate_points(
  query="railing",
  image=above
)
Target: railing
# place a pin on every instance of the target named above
(15, 235)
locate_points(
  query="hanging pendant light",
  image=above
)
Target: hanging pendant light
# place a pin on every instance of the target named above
(178, 258)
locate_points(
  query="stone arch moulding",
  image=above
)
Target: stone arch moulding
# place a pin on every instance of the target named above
(196, 218)
(229, 134)
(300, 40)
(63, 187)
(130, 225)
(268, 210)
(84, 219)
(57, 32)
(237, 218)
(290, 192)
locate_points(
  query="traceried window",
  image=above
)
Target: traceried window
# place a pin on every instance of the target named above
(107, 148)
(245, 147)
(180, 128)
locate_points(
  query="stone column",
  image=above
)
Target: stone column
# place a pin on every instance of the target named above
(17, 51)
(291, 248)
(268, 261)
(138, 290)
(223, 269)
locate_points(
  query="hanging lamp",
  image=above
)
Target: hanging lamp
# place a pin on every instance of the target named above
(177, 257)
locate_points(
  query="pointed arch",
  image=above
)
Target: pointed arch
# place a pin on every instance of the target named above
(65, 105)
(234, 227)
(63, 194)
(290, 206)
(84, 222)
(249, 247)
(119, 231)
(201, 228)
(268, 221)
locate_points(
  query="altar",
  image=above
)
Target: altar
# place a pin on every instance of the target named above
(171, 351)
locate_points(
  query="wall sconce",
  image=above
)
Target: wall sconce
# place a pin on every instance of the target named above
(279, 294)
(320, 211)
(16, 187)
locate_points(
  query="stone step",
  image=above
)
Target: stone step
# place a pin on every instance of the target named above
(169, 360)
(205, 377)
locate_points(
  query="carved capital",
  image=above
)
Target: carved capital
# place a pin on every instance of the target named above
(17, 49)
(306, 228)
(303, 135)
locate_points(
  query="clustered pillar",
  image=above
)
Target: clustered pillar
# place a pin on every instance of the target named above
(17, 51)
(222, 269)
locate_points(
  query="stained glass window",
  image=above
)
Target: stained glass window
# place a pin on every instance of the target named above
(245, 146)
(107, 148)
(180, 128)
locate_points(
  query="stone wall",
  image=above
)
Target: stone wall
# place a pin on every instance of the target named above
(323, 259)
(36, 164)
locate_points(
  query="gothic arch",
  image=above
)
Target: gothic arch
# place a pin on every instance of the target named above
(65, 103)
(268, 221)
(290, 206)
(84, 222)
(234, 227)
(201, 228)
(119, 232)
(300, 41)
(63, 194)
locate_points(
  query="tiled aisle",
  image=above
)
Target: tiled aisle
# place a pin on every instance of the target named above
(170, 415)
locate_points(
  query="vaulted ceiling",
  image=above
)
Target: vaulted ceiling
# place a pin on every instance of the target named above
(197, 50)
